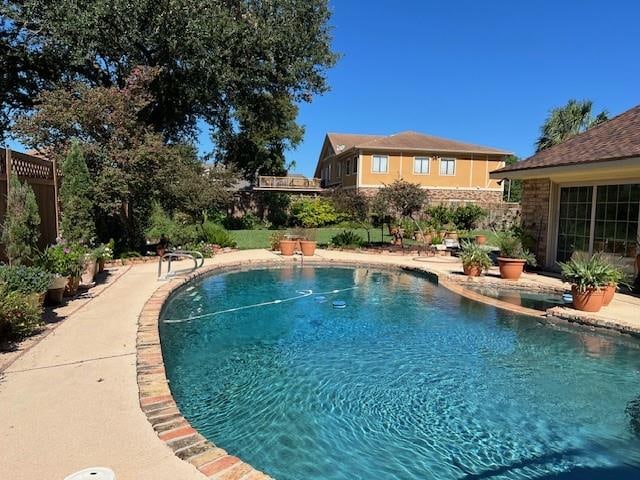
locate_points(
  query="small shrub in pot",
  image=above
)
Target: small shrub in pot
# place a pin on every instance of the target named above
(513, 257)
(475, 259)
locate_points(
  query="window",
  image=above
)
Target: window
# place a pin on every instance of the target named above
(447, 166)
(598, 218)
(421, 165)
(339, 169)
(355, 165)
(380, 164)
(348, 167)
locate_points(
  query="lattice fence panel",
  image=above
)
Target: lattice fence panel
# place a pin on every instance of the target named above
(26, 166)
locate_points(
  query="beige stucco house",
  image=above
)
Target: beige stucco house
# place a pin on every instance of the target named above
(450, 170)
(584, 194)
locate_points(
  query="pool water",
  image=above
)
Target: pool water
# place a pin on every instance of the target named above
(407, 381)
(534, 300)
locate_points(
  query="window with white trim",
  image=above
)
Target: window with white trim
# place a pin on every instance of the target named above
(339, 169)
(380, 164)
(421, 165)
(348, 167)
(447, 166)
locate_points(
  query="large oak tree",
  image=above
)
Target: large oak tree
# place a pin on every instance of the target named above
(239, 65)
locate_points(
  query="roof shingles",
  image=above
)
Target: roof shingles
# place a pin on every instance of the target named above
(407, 141)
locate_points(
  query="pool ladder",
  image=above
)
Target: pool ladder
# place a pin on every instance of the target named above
(197, 257)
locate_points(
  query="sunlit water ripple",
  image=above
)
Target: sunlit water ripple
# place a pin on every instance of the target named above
(407, 382)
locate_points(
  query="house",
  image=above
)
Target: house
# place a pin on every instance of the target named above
(448, 169)
(583, 194)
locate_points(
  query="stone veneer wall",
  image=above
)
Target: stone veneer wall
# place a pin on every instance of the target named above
(536, 196)
(453, 195)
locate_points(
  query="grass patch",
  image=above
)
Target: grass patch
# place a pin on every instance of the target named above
(250, 239)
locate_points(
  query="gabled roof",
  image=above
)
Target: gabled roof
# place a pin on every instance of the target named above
(344, 141)
(407, 141)
(615, 139)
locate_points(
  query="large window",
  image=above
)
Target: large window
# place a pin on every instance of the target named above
(574, 225)
(616, 222)
(421, 165)
(380, 164)
(611, 225)
(447, 166)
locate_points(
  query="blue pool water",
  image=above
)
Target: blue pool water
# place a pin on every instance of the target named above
(408, 381)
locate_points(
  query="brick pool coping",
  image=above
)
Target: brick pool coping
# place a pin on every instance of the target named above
(160, 408)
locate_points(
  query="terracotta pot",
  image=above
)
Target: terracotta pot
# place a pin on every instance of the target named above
(472, 270)
(72, 286)
(609, 292)
(308, 247)
(89, 273)
(588, 301)
(481, 239)
(287, 247)
(451, 235)
(101, 265)
(511, 268)
(55, 295)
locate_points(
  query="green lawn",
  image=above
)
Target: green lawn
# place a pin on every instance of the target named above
(247, 239)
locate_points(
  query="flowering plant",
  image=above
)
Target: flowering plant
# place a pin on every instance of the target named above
(64, 258)
(104, 251)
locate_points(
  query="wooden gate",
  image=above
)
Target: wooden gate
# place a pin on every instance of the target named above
(43, 177)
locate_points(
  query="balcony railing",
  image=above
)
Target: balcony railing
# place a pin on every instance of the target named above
(288, 183)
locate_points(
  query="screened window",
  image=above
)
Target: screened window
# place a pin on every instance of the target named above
(574, 228)
(380, 164)
(447, 166)
(348, 167)
(616, 222)
(421, 165)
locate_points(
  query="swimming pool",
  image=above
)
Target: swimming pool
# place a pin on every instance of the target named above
(534, 300)
(408, 381)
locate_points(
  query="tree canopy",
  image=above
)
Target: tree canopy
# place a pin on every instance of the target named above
(240, 66)
(567, 121)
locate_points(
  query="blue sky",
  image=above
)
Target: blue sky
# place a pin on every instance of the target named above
(482, 71)
(479, 71)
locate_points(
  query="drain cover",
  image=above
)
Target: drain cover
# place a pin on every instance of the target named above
(95, 473)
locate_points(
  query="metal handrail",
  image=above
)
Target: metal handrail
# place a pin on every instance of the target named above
(197, 257)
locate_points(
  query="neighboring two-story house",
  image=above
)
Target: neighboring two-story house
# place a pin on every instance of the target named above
(448, 169)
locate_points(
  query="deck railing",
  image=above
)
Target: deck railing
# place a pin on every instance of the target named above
(288, 182)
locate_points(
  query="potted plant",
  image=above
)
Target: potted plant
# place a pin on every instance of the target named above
(481, 239)
(26, 280)
(66, 260)
(451, 231)
(475, 259)
(588, 276)
(287, 246)
(308, 243)
(274, 240)
(616, 276)
(103, 253)
(513, 257)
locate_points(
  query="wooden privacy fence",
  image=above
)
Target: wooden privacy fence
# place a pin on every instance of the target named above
(42, 175)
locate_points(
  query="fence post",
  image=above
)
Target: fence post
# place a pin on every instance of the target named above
(55, 197)
(7, 159)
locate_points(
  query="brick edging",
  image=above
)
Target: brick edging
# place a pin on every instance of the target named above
(157, 403)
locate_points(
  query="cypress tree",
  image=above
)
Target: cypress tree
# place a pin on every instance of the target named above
(20, 231)
(76, 195)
